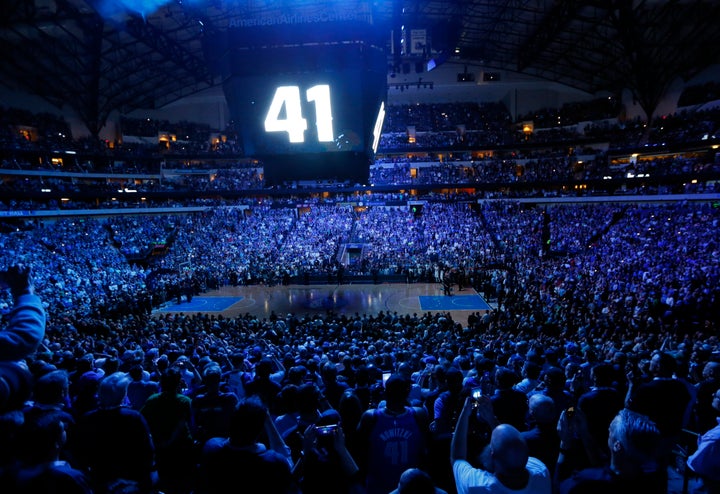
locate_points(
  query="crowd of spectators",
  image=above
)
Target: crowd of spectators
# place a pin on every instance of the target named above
(495, 177)
(577, 344)
(520, 172)
(275, 242)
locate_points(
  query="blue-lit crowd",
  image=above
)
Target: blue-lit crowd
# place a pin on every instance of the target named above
(621, 285)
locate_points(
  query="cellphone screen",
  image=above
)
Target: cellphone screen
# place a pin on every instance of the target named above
(385, 377)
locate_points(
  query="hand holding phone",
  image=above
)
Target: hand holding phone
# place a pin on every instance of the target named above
(326, 430)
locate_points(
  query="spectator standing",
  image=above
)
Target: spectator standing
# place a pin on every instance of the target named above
(509, 405)
(507, 466)
(262, 385)
(634, 465)
(50, 395)
(332, 388)
(253, 453)
(237, 376)
(542, 437)
(21, 337)
(415, 396)
(554, 386)
(705, 415)
(113, 441)
(169, 416)
(139, 388)
(212, 408)
(530, 377)
(601, 404)
(391, 438)
(447, 408)
(44, 469)
(663, 399)
(705, 461)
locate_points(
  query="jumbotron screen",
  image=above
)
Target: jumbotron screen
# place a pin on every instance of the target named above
(299, 113)
(308, 112)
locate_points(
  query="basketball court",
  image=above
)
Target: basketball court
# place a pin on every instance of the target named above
(348, 299)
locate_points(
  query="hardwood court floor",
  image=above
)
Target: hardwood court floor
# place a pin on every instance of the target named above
(348, 299)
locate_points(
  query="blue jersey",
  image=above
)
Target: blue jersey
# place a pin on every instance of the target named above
(396, 443)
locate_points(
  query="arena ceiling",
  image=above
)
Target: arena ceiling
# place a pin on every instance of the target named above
(99, 56)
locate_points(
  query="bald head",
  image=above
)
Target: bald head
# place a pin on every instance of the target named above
(415, 481)
(509, 451)
(542, 408)
(711, 370)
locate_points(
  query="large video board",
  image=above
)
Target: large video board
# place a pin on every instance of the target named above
(306, 110)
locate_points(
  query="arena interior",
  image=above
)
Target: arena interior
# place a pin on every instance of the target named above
(226, 225)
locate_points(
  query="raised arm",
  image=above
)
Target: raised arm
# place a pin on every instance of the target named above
(26, 327)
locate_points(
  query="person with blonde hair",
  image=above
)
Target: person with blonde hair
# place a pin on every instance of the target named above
(635, 460)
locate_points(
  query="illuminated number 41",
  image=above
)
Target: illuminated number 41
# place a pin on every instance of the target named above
(294, 123)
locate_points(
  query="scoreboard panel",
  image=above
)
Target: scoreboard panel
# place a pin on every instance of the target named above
(302, 112)
(307, 110)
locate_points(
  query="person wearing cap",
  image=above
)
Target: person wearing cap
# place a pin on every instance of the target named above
(83, 396)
